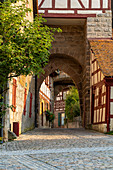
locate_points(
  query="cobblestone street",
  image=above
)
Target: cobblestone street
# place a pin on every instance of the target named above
(58, 149)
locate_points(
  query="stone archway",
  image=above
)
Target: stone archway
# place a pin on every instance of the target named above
(70, 54)
(68, 65)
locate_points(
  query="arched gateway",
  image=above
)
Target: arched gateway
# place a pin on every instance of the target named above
(81, 22)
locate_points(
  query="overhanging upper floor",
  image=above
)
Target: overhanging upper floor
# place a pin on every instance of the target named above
(73, 8)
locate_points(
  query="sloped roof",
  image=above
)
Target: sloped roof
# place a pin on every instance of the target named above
(103, 51)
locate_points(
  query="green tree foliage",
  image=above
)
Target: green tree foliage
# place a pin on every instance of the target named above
(72, 108)
(24, 45)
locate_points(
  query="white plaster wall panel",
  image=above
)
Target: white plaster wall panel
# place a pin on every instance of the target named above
(111, 124)
(92, 80)
(89, 11)
(85, 3)
(41, 11)
(111, 108)
(94, 116)
(61, 11)
(93, 57)
(105, 3)
(39, 1)
(104, 99)
(95, 3)
(98, 76)
(103, 119)
(61, 4)
(91, 68)
(95, 66)
(104, 88)
(100, 115)
(102, 76)
(47, 4)
(111, 93)
(75, 4)
(95, 78)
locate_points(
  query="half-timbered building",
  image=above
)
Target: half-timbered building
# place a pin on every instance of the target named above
(45, 101)
(59, 108)
(102, 85)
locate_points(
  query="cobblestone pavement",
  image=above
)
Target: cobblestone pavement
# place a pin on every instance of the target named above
(53, 149)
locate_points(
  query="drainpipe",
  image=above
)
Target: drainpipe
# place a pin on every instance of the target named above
(35, 8)
(35, 100)
(35, 12)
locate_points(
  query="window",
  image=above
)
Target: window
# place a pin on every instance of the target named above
(14, 95)
(30, 107)
(25, 96)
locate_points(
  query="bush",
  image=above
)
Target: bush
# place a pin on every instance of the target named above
(72, 108)
(49, 116)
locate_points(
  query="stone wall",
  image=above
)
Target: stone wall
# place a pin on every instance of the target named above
(100, 26)
(25, 122)
(100, 127)
(75, 124)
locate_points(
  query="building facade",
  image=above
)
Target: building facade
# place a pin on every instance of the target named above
(102, 85)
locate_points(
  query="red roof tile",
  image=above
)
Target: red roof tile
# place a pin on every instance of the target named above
(103, 51)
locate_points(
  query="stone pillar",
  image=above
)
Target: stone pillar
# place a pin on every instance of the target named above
(86, 89)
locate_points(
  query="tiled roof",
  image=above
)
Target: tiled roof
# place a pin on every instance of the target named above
(103, 51)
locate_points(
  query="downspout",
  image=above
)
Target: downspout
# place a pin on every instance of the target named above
(35, 100)
(35, 7)
(35, 12)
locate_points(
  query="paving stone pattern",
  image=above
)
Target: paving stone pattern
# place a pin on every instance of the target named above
(54, 149)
